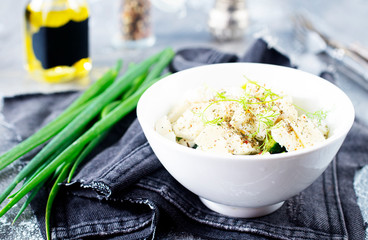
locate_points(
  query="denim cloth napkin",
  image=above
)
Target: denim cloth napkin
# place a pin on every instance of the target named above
(123, 192)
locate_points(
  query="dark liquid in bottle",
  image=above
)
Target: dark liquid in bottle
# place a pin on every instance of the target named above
(56, 43)
(61, 46)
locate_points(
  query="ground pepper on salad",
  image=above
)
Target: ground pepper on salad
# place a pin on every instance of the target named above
(246, 120)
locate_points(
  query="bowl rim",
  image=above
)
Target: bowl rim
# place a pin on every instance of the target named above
(258, 157)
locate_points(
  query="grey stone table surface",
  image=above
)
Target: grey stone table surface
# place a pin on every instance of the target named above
(183, 26)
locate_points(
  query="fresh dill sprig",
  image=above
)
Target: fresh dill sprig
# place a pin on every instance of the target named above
(317, 116)
(216, 121)
(267, 141)
(268, 94)
(267, 98)
(268, 118)
(264, 120)
(221, 95)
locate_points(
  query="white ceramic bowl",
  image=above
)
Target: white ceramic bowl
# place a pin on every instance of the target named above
(246, 185)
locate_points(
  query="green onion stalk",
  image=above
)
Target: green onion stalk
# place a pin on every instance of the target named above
(76, 132)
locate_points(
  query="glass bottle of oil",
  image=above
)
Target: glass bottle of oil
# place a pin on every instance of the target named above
(56, 40)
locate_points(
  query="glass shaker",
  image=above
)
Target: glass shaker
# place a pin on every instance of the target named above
(135, 24)
(56, 40)
(228, 19)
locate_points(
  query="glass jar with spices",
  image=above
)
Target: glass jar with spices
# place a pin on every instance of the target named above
(135, 24)
(56, 40)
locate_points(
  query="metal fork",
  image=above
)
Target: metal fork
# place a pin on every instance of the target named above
(351, 60)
